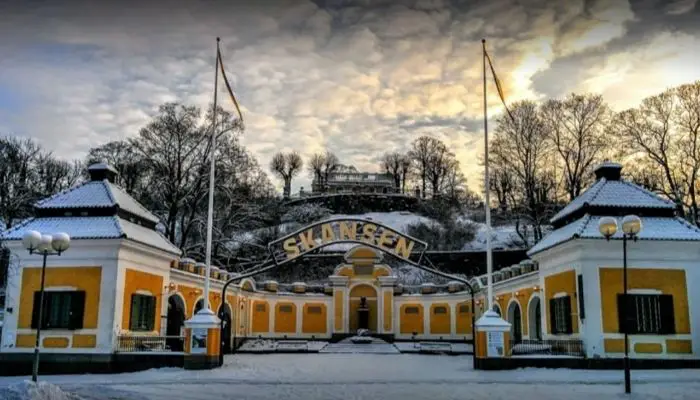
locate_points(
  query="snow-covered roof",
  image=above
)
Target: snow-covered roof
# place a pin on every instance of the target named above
(653, 228)
(614, 193)
(96, 194)
(110, 227)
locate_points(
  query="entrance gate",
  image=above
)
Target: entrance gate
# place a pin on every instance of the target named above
(317, 236)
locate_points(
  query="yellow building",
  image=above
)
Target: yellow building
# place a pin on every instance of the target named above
(122, 291)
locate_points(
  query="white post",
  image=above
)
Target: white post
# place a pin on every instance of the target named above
(487, 205)
(210, 208)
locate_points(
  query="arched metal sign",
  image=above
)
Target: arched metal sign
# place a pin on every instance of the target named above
(345, 230)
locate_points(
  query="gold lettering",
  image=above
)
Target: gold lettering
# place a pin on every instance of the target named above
(327, 234)
(290, 246)
(385, 239)
(368, 231)
(307, 239)
(348, 232)
(403, 249)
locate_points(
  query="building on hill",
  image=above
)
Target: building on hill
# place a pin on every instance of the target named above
(349, 180)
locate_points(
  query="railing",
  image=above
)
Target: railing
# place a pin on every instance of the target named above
(568, 347)
(138, 344)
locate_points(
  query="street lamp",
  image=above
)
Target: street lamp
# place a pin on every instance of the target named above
(631, 226)
(46, 245)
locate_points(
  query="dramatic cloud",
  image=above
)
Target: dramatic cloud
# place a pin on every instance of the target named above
(356, 77)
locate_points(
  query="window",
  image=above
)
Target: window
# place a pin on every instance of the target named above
(440, 310)
(61, 310)
(143, 312)
(286, 308)
(581, 308)
(260, 308)
(314, 310)
(464, 309)
(560, 315)
(411, 310)
(646, 314)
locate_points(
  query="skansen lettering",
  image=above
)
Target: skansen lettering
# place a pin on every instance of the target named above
(342, 231)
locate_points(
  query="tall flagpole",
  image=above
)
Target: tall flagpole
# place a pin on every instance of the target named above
(487, 189)
(212, 163)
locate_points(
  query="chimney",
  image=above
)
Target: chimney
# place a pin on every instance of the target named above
(608, 170)
(102, 171)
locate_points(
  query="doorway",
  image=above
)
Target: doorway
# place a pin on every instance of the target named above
(175, 322)
(225, 316)
(534, 318)
(355, 298)
(516, 323)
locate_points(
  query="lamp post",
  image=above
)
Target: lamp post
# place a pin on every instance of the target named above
(46, 245)
(631, 226)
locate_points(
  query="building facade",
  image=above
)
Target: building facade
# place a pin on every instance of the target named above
(122, 288)
(352, 181)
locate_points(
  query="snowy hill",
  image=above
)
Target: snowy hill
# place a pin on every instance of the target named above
(503, 237)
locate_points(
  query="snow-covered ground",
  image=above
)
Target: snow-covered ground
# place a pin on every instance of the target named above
(359, 376)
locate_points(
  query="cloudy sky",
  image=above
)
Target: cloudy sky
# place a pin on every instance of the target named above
(358, 77)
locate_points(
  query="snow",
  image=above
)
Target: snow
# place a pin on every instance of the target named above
(28, 390)
(613, 193)
(96, 194)
(653, 228)
(503, 237)
(267, 345)
(93, 228)
(400, 376)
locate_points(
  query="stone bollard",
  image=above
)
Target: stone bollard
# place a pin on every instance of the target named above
(492, 342)
(202, 341)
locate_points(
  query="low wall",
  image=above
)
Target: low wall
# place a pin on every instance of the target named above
(16, 364)
(582, 363)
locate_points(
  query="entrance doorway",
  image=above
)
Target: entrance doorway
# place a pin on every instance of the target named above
(355, 298)
(175, 322)
(225, 316)
(516, 323)
(534, 317)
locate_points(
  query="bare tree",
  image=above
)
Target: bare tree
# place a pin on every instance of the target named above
(392, 164)
(665, 128)
(421, 153)
(520, 149)
(286, 166)
(576, 126)
(405, 171)
(129, 163)
(321, 166)
(441, 163)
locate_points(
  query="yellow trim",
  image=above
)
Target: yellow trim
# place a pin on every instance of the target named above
(668, 281)
(134, 281)
(653, 348)
(411, 322)
(285, 322)
(28, 340)
(558, 283)
(679, 346)
(87, 279)
(463, 320)
(84, 341)
(614, 345)
(261, 318)
(440, 323)
(313, 323)
(55, 342)
(388, 308)
(338, 301)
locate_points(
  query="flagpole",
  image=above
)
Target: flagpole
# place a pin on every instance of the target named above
(487, 189)
(212, 164)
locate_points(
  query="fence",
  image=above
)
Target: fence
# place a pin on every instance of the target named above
(138, 344)
(568, 347)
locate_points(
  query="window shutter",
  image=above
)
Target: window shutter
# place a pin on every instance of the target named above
(627, 313)
(552, 317)
(581, 304)
(668, 321)
(566, 303)
(134, 320)
(150, 312)
(35, 310)
(77, 310)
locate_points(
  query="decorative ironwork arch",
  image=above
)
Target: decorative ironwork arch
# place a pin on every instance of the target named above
(274, 259)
